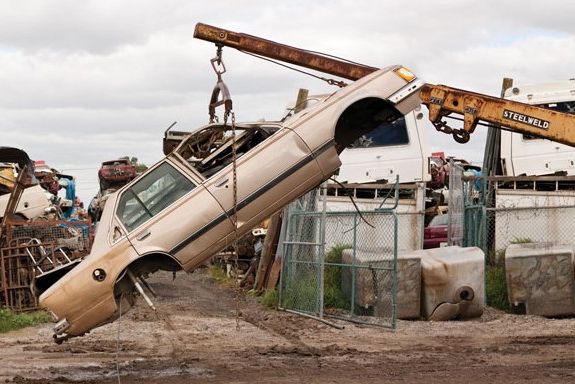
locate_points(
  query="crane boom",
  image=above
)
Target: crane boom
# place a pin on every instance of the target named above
(441, 100)
(510, 115)
(286, 53)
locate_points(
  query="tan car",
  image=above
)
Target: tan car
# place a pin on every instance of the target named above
(179, 212)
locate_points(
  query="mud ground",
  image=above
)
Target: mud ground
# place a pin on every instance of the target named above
(202, 340)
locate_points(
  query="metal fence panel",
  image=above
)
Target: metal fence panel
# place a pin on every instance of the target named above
(340, 264)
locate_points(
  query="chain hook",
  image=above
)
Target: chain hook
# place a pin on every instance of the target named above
(217, 62)
(461, 136)
(442, 126)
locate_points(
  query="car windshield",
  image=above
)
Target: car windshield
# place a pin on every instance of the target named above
(152, 194)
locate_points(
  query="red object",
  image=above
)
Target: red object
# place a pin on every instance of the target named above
(441, 155)
(435, 234)
(115, 172)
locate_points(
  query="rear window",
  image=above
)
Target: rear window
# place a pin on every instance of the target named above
(151, 195)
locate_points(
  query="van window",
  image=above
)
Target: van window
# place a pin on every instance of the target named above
(152, 194)
(564, 106)
(386, 134)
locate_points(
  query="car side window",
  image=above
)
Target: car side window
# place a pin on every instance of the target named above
(152, 194)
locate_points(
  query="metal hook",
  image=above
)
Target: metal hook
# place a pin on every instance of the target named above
(217, 62)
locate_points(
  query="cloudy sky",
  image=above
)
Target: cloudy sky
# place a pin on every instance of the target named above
(85, 81)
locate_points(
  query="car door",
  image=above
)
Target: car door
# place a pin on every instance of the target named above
(268, 176)
(168, 210)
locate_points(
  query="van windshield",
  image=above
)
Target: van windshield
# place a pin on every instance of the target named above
(385, 135)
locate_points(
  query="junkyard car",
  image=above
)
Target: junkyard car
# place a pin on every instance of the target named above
(115, 172)
(435, 234)
(180, 211)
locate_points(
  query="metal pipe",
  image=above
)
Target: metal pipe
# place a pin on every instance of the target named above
(140, 289)
(313, 317)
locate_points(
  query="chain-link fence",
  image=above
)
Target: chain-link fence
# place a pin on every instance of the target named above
(517, 210)
(340, 264)
(456, 205)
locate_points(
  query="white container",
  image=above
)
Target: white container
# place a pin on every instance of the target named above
(373, 279)
(540, 278)
(453, 282)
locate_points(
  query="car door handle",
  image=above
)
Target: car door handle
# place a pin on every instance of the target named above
(221, 182)
(142, 235)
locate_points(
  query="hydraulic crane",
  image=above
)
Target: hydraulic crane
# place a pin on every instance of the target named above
(442, 101)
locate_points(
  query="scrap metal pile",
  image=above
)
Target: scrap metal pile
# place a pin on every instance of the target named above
(43, 233)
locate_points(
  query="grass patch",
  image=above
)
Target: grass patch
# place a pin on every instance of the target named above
(333, 295)
(302, 291)
(218, 274)
(496, 287)
(521, 240)
(10, 321)
(270, 298)
(495, 279)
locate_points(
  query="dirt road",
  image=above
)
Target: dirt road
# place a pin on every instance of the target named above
(200, 342)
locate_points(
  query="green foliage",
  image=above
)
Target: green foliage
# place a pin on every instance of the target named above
(302, 293)
(496, 287)
(270, 298)
(10, 321)
(140, 167)
(333, 296)
(304, 285)
(521, 240)
(218, 274)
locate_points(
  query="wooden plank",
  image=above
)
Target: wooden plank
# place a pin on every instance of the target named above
(268, 250)
(274, 273)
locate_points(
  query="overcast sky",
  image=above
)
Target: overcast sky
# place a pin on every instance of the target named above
(86, 81)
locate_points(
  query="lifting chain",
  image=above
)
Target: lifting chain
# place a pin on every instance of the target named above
(235, 211)
(459, 134)
(220, 87)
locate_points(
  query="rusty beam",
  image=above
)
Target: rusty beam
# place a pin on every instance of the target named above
(285, 53)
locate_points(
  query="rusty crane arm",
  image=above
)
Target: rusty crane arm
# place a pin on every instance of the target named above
(285, 53)
(442, 101)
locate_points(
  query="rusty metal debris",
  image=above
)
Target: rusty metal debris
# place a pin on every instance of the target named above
(36, 242)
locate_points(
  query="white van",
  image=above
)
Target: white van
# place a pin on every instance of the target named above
(396, 148)
(531, 156)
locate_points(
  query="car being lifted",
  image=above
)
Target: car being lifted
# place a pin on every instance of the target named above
(181, 211)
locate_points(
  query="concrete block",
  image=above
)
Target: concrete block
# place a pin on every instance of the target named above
(373, 280)
(540, 278)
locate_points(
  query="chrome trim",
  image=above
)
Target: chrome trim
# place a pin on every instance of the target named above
(61, 327)
(407, 90)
